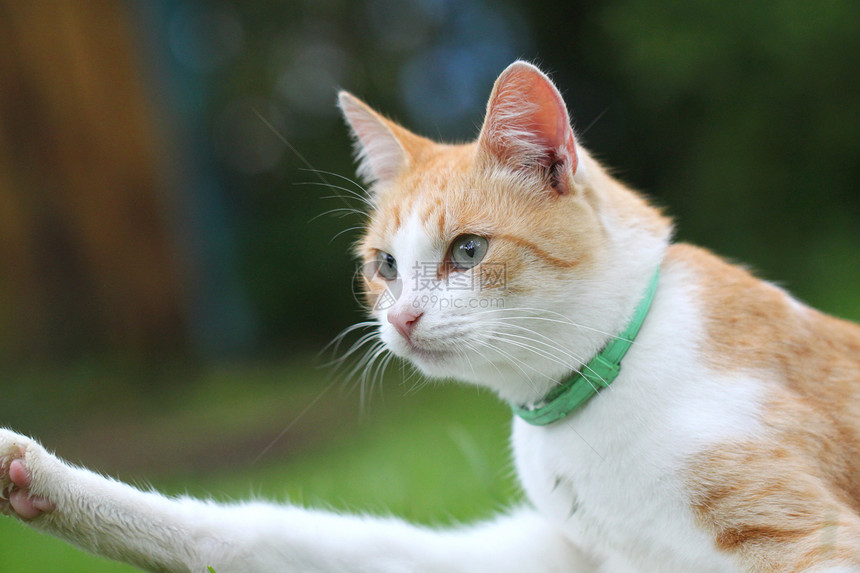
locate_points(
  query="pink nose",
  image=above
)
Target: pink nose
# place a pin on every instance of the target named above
(404, 320)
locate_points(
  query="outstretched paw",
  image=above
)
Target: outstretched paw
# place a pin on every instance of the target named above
(16, 478)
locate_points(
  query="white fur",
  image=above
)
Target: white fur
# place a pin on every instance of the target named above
(605, 483)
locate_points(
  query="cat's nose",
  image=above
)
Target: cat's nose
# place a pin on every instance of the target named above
(404, 320)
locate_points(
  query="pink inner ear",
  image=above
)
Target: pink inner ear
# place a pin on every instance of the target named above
(527, 120)
(548, 123)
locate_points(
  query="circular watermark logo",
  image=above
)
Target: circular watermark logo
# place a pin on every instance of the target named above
(384, 299)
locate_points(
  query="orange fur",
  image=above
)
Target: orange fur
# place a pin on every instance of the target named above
(786, 501)
(792, 498)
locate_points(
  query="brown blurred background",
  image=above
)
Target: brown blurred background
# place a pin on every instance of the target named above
(85, 248)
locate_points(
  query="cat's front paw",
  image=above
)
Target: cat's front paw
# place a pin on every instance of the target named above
(18, 456)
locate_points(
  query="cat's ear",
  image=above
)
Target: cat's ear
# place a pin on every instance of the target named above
(379, 144)
(527, 125)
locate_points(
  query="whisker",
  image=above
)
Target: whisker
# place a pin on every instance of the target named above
(514, 361)
(406, 378)
(472, 347)
(362, 340)
(360, 365)
(340, 212)
(289, 145)
(465, 355)
(336, 341)
(360, 195)
(339, 176)
(367, 375)
(564, 319)
(350, 193)
(293, 422)
(344, 231)
(550, 357)
(594, 121)
(535, 351)
(565, 421)
(547, 341)
(554, 347)
(520, 341)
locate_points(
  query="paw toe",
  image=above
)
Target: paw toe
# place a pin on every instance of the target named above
(19, 474)
(24, 504)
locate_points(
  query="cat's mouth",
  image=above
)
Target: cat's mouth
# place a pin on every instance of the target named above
(427, 353)
(421, 354)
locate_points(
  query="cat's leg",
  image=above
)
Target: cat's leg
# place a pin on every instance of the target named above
(792, 535)
(768, 507)
(161, 534)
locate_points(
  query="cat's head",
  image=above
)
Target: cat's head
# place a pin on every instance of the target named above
(507, 261)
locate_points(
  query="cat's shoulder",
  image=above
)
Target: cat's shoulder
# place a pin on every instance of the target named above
(749, 320)
(726, 288)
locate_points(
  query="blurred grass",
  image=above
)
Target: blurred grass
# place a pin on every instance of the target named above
(434, 455)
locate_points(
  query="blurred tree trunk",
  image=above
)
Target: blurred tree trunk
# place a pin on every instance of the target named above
(85, 255)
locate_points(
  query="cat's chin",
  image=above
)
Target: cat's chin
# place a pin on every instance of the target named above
(436, 363)
(442, 364)
(433, 366)
(427, 360)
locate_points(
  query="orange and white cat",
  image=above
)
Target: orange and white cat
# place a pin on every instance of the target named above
(729, 440)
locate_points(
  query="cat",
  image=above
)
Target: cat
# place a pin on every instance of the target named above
(672, 412)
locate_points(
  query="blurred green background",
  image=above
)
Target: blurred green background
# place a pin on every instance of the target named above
(166, 279)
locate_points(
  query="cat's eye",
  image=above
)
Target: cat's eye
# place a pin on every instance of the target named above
(467, 251)
(386, 265)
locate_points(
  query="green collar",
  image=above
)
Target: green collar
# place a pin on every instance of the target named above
(598, 373)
